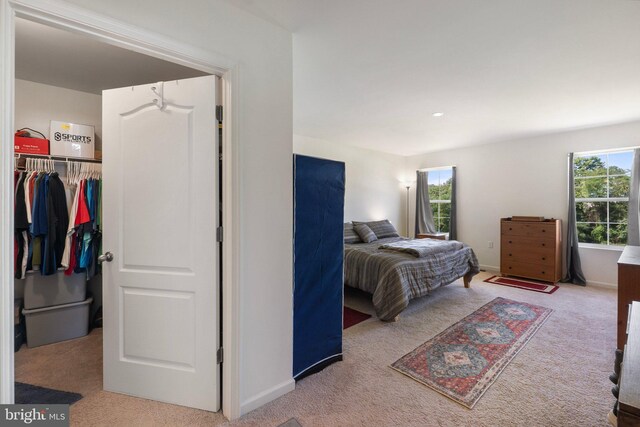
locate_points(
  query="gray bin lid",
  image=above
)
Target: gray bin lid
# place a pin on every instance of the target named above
(57, 307)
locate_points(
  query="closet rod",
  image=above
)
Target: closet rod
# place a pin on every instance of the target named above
(55, 158)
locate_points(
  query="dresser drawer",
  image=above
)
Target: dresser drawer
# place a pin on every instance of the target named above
(533, 271)
(542, 243)
(529, 229)
(529, 257)
(530, 250)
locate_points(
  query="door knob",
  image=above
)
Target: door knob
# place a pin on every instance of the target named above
(108, 257)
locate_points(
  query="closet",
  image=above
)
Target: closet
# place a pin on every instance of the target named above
(63, 218)
(57, 242)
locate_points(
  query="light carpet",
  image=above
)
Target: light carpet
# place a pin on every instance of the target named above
(560, 378)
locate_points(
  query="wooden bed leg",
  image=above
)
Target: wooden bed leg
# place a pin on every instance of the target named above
(467, 280)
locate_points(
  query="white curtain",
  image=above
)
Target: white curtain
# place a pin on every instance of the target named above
(634, 201)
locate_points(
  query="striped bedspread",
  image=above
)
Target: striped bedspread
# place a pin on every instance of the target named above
(395, 278)
(422, 248)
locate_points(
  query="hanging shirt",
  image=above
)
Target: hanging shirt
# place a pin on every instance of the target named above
(82, 215)
(27, 200)
(39, 217)
(21, 219)
(72, 256)
(66, 255)
(58, 219)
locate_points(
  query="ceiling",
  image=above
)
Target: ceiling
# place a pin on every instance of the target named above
(60, 58)
(370, 73)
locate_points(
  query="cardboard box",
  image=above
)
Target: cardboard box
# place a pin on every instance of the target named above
(26, 145)
(72, 140)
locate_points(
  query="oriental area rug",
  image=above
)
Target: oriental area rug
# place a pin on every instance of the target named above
(465, 359)
(529, 285)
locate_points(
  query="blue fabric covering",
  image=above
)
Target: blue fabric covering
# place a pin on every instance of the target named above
(318, 262)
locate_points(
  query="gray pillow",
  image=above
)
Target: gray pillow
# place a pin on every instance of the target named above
(366, 234)
(350, 236)
(382, 228)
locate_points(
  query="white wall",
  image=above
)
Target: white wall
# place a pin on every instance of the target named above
(37, 104)
(373, 180)
(263, 53)
(525, 177)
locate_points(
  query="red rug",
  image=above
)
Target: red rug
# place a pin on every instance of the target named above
(466, 358)
(529, 285)
(353, 317)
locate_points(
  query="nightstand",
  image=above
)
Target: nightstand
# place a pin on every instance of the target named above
(439, 236)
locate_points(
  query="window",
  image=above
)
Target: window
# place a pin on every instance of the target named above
(440, 197)
(602, 196)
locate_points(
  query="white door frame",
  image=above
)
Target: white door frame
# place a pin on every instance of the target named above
(105, 29)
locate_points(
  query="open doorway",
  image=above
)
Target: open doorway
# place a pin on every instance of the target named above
(60, 76)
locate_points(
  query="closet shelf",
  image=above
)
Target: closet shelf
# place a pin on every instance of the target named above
(55, 158)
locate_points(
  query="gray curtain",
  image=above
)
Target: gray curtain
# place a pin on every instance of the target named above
(453, 228)
(634, 201)
(424, 216)
(572, 256)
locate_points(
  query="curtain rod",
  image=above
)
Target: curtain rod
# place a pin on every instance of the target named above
(610, 150)
(436, 168)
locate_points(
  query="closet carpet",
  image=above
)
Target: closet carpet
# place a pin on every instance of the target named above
(560, 378)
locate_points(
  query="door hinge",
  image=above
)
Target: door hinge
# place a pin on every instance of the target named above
(219, 112)
(220, 355)
(219, 234)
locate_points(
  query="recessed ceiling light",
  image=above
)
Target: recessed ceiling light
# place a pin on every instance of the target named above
(438, 114)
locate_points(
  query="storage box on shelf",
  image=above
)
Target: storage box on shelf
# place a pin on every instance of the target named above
(531, 249)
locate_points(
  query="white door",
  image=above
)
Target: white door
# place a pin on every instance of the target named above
(160, 214)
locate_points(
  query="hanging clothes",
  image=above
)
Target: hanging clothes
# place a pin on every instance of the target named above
(58, 221)
(21, 225)
(49, 235)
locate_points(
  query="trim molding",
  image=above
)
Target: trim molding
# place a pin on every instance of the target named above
(491, 268)
(63, 15)
(602, 284)
(6, 195)
(268, 395)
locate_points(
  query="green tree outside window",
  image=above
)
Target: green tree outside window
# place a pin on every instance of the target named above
(602, 197)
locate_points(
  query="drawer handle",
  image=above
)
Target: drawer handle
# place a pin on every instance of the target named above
(543, 272)
(510, 255)
(544, 231)
(509, 268)
(544, 244)
(510, 228)
(509, 241)
(544, 259)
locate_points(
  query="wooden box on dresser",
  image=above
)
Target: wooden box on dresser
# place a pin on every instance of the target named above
(531, 249)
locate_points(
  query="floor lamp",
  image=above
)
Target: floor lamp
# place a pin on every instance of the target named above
(408, 186)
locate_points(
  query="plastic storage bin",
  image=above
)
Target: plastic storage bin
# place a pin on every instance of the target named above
(45, 291)
(58, 323)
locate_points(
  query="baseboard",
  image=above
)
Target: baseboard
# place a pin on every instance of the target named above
(267, 396)
(602, 284)
(491, 268)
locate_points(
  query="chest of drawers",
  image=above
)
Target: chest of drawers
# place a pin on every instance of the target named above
(531, 249)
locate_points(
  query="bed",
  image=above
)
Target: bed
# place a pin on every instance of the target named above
(394, 277)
